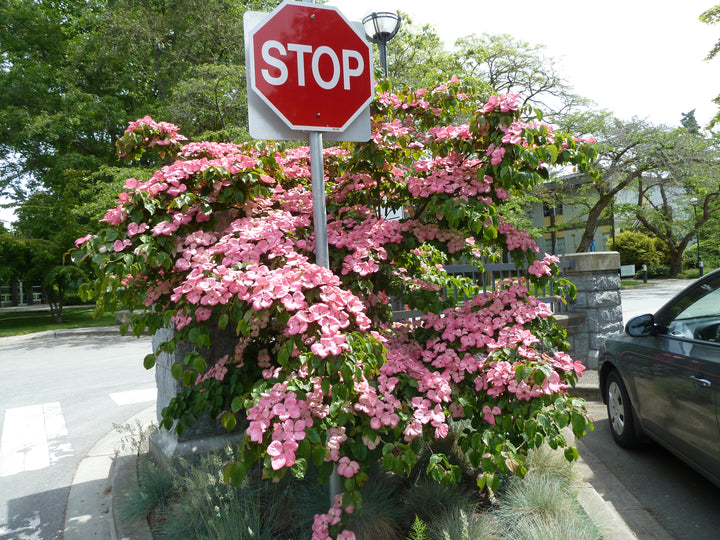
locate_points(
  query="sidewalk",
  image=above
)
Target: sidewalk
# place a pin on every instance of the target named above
(106, 475)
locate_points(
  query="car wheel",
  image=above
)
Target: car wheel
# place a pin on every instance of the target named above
(620, 414)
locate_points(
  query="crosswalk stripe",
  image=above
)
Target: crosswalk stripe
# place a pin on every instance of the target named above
(33, 437)
(134, 396)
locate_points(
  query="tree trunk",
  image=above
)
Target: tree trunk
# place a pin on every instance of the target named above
(592, 224)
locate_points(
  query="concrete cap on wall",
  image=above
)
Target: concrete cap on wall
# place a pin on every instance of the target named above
(594, 261)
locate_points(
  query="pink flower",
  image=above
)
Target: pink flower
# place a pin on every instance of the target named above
(283, 454)
(347, 468)
(490, 413)
(120, 245)
(134, 228)
(115, 216)
(496, 154)
(80, 241)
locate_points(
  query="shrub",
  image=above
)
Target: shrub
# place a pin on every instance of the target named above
(636, 248)
(222, 241)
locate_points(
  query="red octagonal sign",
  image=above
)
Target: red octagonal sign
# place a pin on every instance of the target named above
(311, 67)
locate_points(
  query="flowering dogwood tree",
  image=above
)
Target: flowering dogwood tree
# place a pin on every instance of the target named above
(223, 240)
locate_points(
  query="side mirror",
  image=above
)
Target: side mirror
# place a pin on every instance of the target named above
(641, 326)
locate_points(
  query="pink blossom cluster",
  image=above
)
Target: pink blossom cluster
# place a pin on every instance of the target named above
(505, 103)
(364, 238)
(461, 132)
(451, 174)
(323, 522)
(164, 134)
(564, 362)
(516, 239)
(293, 415)
(236, 229)
(543, 267)
(467, 338)
(455, 240)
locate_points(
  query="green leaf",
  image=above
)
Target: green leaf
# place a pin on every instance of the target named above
(223, 322)
(149, 361)
(176, 370)
(237, 404)
(199, 364)
(229, 421)
(571, 453)
(347, 373)
(188, 378)
(318, 455)
(312, 436)
(579, 424)
(299, 468)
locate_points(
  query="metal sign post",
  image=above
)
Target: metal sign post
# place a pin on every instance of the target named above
(309, 70)
(322, 257)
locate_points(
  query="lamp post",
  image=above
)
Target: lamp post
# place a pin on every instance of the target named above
(694, 203)
(381, 27)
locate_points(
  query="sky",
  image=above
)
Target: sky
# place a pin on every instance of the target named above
(636, 58)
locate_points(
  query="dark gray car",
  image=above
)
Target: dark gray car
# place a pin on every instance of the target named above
(660, 379)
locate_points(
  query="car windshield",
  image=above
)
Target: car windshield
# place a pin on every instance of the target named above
(696, 314)
(701, 302)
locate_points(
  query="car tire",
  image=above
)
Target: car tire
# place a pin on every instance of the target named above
(620, 413)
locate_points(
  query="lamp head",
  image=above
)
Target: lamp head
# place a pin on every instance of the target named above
(381, 26)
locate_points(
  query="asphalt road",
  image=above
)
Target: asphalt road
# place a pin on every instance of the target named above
(684, 503)
(58, 396)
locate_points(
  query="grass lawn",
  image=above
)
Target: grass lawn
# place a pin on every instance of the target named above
(27, 322)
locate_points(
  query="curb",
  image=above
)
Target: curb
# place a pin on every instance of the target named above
(124, 479)
(610, 505)
(587, 386)
(92, 509)
(66, 332)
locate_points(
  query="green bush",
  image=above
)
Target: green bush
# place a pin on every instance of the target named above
(192, 501)
(636, 248)
(73, 299)
(655, 271)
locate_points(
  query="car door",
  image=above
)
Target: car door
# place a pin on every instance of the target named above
(677, 376)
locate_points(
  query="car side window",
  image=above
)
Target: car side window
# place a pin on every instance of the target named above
(696, 315)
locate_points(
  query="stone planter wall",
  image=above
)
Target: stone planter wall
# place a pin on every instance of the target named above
(206, 434)
(596, 312)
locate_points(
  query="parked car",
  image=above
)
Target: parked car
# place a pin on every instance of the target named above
(660, 379)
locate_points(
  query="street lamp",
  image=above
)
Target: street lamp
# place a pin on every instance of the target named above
(381, 27)
(694, 203)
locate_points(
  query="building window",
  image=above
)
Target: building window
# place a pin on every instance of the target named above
(548, 210)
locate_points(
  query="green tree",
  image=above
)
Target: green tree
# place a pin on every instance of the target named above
(504, 64)
(687, 173)
(75, 73)
(629, 153)
(712, 16)
(690, 123)
(417, 56)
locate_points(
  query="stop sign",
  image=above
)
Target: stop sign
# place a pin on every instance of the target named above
(311, 67)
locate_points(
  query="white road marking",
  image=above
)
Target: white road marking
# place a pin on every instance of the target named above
(134, 396)
(33, 437)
